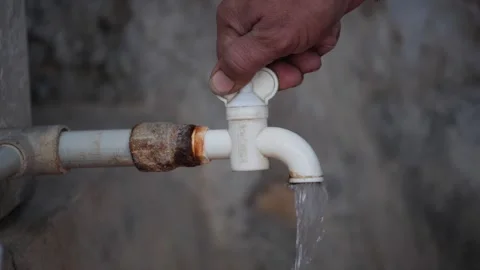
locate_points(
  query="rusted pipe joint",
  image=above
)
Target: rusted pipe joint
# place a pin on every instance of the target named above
(162, 147)
(38, 147)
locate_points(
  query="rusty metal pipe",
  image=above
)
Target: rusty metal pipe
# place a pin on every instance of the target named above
(10, 161)
(150, 147)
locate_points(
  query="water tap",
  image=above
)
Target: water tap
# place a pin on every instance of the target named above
(161, 146)
(249, 142)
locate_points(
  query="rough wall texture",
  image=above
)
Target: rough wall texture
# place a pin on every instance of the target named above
(14, 91)
(394, 115)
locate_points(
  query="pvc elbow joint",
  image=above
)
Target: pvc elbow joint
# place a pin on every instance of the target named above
(249, 142)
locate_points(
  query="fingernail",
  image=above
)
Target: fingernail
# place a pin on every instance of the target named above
(220, 83)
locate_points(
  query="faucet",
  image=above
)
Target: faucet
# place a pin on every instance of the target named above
(159, 147)
(249, 142)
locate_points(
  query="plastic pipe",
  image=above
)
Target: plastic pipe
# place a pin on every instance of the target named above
(10, 161)
(292, 150)
(99, 148)
(217, 144)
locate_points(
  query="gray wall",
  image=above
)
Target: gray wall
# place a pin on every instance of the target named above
(15, 108)
(394, 115)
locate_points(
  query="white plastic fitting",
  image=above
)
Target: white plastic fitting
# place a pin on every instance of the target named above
(249, 142)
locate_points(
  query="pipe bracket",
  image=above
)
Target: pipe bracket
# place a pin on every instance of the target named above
(38, 146)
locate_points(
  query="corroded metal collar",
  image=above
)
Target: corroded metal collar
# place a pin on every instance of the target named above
(161, 147)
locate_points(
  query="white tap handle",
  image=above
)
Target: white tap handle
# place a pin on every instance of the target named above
(263, 86)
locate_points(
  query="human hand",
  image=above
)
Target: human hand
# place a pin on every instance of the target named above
(288, 36)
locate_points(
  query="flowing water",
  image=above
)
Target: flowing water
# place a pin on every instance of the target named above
(310, 203)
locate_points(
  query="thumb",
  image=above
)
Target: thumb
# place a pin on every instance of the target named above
(238, 63)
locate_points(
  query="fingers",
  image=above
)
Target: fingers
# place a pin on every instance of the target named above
(253, 34)
(289, 76)
(291, 71)
(232, 23)
(240, 55)
(306, 62)
(239, 62)
(330, 41)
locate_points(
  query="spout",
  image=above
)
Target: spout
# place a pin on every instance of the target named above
(292, 150)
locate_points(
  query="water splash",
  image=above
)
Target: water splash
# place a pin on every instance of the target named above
(310, 202)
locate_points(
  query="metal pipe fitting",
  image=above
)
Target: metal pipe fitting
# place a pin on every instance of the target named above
(150, 147)
(161, 147)
(44, 144)
(11, 161)
(38, 147)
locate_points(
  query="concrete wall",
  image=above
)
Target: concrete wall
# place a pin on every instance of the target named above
(394, 115)
(15, 111)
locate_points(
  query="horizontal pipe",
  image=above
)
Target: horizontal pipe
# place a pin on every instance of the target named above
(98, 148)
(217, 144)
(292, 150)
(10, 161)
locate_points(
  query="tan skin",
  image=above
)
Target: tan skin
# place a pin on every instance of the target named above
(288, 36)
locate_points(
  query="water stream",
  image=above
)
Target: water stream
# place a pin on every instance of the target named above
(310, 203)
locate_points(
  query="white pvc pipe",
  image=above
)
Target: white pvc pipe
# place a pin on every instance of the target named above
(98, 148)
(217, 144)
(10, 161)
(294, 151)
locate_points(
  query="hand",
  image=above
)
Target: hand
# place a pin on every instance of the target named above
(288, 36)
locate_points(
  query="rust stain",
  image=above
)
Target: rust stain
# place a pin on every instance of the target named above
(161, 147)
(198, 143)
(296, 175)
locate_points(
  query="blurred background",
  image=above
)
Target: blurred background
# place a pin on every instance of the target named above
(394, 115)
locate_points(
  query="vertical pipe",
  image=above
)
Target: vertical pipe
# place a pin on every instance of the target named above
(15, 108)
